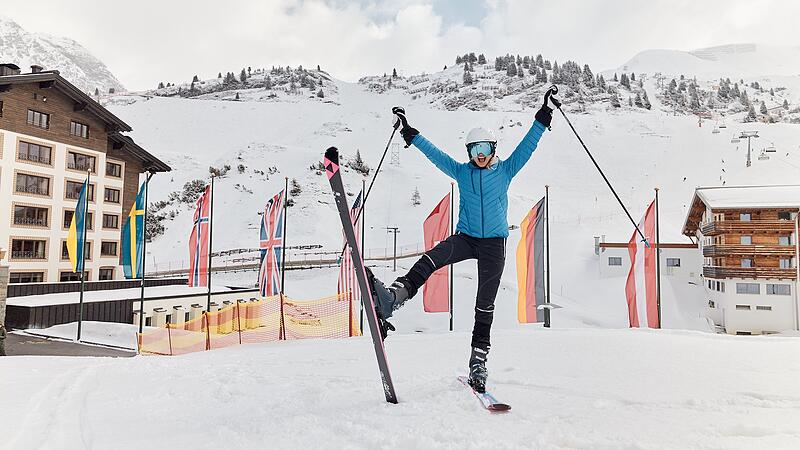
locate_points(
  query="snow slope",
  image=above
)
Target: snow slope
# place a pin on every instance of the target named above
(72, 60)
(598, 389)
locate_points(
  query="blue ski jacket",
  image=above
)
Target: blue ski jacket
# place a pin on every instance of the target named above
(483, 202)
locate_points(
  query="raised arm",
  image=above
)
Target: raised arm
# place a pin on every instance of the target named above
(440, 159)
(525, 149)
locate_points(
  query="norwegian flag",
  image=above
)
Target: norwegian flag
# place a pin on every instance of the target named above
(640, 288)
(199, 241)
(271, 244)
(348, 284)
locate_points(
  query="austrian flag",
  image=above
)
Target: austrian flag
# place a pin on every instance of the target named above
(641, 288)
(199, 241)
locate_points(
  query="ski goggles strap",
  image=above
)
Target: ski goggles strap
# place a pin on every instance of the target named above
(477, 148)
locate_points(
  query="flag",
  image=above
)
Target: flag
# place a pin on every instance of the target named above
(271, 243)
(348, 284)
(75, 235)
(436, 291)
(199, 241)
(133, 237)
(640, 288)
(530, 265)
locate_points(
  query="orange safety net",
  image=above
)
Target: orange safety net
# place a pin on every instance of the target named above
(254, 321)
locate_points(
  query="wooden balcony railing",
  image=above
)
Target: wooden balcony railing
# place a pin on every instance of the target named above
(744, 226)
(749, 272)
(754, 249)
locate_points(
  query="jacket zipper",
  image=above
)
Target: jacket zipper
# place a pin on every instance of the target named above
(481, 185)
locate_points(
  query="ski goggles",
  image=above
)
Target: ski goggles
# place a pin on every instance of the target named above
(477, 148)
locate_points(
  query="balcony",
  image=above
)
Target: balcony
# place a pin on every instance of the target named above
(34, 158)
(30, 221)
(749, 272)
(32, 190)
(755, 249)
(746, 226)
(26, 254)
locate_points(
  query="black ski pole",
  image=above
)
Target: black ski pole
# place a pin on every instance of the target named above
(369, 189)
(549, 96)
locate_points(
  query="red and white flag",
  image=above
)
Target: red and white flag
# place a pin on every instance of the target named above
(641, 289)
(436, 291)
(348, 284)
(199, 241)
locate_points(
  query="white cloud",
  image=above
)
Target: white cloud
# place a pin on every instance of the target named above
(148, 41)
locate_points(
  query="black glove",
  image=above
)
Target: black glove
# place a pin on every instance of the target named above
(407, 132)
(545, 115)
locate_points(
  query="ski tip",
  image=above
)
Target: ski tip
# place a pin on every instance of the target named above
(332, 154)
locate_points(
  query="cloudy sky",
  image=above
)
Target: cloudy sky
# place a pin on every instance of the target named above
(147, 41)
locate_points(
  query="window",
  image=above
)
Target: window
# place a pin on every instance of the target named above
(87, 250)
(38, 119)
(111, 221)
(106, 273)
(74, 190)
(746, 240)
(70, 276)
(30, 215)
(28, 249)
(111, 195)
(79, 161)
(113, 170)
(108, 248)
(747, 262)
(784, 216)
(1, 108)
(673, 262)
(743, 307)
(763, 308)
(748, 288)
(34, 152)
(778, 289)
(784, 240)
(31, 184)
(79, 129)
(26, 277)
(614, 260)
(786, 263)
(68, 219)
(744, 216)
(710, 284)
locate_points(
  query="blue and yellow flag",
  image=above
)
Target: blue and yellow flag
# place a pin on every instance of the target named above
(75, 244)
(133, 237)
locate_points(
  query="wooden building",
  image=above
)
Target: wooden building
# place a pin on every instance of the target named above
(747, 236)
(51, 134)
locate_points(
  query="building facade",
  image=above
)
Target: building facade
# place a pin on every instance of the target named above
(52, 136)
(747, 237)
(677, 260)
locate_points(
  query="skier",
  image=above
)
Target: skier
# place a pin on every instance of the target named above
(481, 232)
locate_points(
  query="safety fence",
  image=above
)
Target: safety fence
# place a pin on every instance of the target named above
(255, 321)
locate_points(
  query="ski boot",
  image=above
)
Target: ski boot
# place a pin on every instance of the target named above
(477, 369)
(385, 301)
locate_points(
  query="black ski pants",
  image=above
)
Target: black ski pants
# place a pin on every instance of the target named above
(491, 255)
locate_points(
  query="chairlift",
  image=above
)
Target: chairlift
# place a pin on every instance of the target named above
(771, 149)
(735, 139)
(715, 131)
(722, 125)
(763, 156)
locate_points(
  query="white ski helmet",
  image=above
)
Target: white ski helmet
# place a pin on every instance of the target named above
(480, 134)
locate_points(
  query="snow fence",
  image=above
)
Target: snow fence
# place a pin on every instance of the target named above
(246, 322)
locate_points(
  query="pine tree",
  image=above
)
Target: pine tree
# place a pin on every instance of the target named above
(751, 114)
(394, 73)
(219, 75)
(623, 80)
(237, 96)
(615, 77)
(614, 99)
(459, 60)
(763, 108)
(645, 100)
(547, 65)
(772, 92)
(472, 57)
(191, 87)
(601, 82)
(96, 91)
(415, 199)
(248, 71)
(744, 99)
(498, 65)
(318, 69)
(633, 76)
(512, 70)
(295, 190)
(467, 77)
(161, 85)
(195, 79)
(711, 104)
(735, 93)
(785, 104)
(521, 72)
(481, 59)
(694, 102)
(518, 61)
(243, 76)
(268, 82)
(526, 62)
(540, 61)
(638, 101)
(320, 94)
(588, 76)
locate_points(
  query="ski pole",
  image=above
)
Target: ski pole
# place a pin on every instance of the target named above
(549, 96)
(369, 189)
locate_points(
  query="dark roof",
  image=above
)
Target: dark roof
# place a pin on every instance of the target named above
(71, 91)
(10, 66)
(149, 162)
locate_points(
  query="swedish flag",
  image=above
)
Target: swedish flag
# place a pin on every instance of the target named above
(76, 234)
(133, 237)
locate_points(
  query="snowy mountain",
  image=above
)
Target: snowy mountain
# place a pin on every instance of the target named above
(734, 60)
(73, 61)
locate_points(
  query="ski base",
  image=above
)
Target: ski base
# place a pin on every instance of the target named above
(487, 400)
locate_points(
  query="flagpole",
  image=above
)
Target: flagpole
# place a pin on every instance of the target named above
(451, 266)
(144, 249)
(83, 250)
(547, 253)
(658, 265)
(210, 237)
(363, 232)
(283, 244)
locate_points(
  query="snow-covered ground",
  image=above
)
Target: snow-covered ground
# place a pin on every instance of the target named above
(569, 388)
(113, 334)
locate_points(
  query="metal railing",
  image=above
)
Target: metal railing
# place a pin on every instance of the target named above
(749, 272)
(80, 166)
(730, 226)
(30, 221)
(26, 254)
(34, 158)
(32, 190)
(745, 249)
